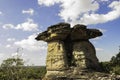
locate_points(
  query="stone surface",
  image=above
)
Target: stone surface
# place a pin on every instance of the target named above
(56, 57)
(70, 54)
(80, 32)
(84, 55)
(86, 75)
(55, 32)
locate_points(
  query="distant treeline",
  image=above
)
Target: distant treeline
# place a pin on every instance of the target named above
(14, 69)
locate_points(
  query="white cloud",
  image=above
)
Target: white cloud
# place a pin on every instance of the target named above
(73, 9)
(1, 13)
(104, 0)
(1, 55)
(14, 54)
(8, 26)
(102, 18)
(102, 30)
(10, 39)
(29, 25)
(31, 44)
(99, 49)
(97, 38)
(48, 2)
(8, 46)
(34, 51)
(17, 54)
(84, 11)
(29, 11)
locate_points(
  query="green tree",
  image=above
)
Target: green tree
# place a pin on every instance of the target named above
(12, 62)
(115, 63)
(115, 60)
(14, 69)
(11, 68)
(106, 66)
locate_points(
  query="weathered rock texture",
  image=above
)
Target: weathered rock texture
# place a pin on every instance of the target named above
(70, 53)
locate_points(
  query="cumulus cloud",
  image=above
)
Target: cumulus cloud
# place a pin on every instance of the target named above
(11, 39)
(29, 11)
(8, 26)
(102, 18)
(28, 25)
(48, 2)
(31, 44)
(102, 30)
(84, 11)
(1, 13)
(14, 54)
(1, 55)
(8, 46)
(17, 54)
(99, 49)
(97, 38)
(104, 0)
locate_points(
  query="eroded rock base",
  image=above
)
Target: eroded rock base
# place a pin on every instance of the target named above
(70, 54)
(82, 75)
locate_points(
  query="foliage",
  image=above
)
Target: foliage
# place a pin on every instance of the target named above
(14, 69)
(106, 66)
(12, 62)
(113, 65)
(116, 69)
(116, 60)
(11, 68)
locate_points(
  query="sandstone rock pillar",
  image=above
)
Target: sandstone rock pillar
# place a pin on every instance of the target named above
(69, 50)
(83, 51)
(56, 61)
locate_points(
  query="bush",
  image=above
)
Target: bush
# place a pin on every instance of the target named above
(116, 70)
(14, 69)
(106, 66)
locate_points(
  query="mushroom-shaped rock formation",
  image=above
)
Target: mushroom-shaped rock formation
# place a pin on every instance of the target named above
(80, 32)
(55, 32)
(69, 49)
(83, 51)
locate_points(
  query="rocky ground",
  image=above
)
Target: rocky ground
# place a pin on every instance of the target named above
(86, 75)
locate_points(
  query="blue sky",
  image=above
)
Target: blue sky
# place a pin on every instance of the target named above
(22, 20)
